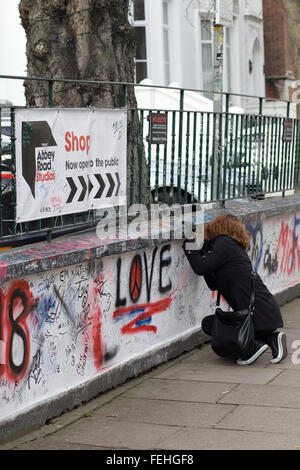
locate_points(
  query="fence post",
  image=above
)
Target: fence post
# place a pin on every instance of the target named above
(227, 96)
(132, 142)
(181, 104)
(50, 93)
(140, 146)
(124, 96)
(1, 206)
(297, 159)
(260, 146)
(13, 169)
(49, 235)
(287, 145)
(261, 100)
(227, 101)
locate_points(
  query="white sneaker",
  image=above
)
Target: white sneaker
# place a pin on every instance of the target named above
(277, 343)
(259, 349)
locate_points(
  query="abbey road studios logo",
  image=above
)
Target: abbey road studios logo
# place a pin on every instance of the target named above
(38, 153)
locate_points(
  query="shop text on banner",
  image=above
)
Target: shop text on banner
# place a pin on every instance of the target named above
(69, 161)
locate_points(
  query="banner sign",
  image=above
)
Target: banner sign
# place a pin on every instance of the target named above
(69, 161)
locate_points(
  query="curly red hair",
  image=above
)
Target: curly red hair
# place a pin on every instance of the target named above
(229, 225)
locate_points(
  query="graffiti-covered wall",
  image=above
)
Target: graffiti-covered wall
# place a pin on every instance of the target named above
(274, 250)
(62, 327)
(76, 311)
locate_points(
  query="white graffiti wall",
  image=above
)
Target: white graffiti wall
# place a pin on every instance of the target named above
(62, 328)
(274, 251)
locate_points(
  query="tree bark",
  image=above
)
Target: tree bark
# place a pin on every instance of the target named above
(82, 40)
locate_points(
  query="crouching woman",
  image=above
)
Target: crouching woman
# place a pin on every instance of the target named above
(226, 267)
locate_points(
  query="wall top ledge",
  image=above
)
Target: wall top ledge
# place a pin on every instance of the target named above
(79, 248)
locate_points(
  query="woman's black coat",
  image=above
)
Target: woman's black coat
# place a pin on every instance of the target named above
(226, 267)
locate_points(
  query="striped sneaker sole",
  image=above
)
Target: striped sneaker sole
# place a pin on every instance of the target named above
(282, 349)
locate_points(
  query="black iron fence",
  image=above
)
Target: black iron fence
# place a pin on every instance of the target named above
(190, 156)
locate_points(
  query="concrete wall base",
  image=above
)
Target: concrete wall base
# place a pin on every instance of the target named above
(38, 415)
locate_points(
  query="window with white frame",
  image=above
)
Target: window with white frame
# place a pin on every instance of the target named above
(227, 67)
(166, 40)
(236, 7)
(207, 50)
(139, 23)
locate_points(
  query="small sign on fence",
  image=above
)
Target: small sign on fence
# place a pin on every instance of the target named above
(158, 128)
(69, 161)
(288, 130)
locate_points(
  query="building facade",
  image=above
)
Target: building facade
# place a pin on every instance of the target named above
(175, 45)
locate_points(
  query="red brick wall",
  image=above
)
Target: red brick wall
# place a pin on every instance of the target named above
(272, 90)
(278, 57)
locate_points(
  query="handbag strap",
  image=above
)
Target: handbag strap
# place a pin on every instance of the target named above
(218, 299)
(252, 297)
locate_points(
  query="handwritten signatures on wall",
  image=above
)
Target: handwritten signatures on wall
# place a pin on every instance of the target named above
(64, 326)
(60, 328)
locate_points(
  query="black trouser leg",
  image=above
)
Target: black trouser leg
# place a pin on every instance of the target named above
(207, 324)
(263, 335)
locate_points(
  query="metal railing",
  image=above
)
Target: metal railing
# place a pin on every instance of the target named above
(204, 157)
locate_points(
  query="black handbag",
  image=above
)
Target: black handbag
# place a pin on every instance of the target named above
(233, 332)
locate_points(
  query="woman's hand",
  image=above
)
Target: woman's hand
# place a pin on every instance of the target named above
(187, 240)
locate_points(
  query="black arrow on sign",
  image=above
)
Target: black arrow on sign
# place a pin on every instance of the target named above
(112, 185)
(73, 189)
(101, 184)
(119, 184)
(84, 188)
(90, 185)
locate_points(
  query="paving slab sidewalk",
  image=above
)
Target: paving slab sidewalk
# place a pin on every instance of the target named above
(195, 402)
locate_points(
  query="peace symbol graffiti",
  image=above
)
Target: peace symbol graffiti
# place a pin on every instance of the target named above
(135, 278)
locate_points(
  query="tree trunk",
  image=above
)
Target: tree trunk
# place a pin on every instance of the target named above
(86, 40)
